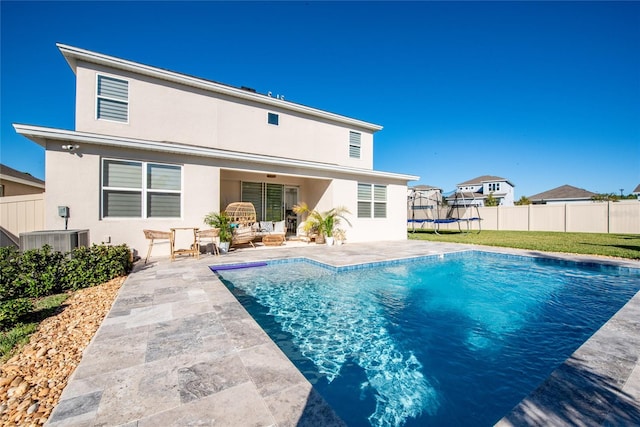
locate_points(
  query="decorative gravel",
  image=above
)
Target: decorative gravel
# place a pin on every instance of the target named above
(32, 381)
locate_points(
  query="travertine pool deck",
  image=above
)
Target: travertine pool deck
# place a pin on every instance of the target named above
(177, 349)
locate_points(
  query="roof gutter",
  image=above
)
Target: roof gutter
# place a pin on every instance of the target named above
(40, 135)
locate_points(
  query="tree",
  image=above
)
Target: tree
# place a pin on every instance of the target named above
(491, 201)
(605, 197)
(523, 201)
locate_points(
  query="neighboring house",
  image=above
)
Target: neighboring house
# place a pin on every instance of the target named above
(155, 149)
(637, 191)
(475, 191)
(562, 194)
(16, 183)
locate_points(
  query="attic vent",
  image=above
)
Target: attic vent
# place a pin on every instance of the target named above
(248, 89)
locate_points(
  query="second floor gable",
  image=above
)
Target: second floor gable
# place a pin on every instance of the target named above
(123, 98)
(486, 184)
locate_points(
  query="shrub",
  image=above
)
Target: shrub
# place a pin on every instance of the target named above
(95, 265)
(12, 310)
(41, 272)
(9, 270)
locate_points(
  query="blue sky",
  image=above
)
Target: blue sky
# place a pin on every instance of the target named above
(543, 94)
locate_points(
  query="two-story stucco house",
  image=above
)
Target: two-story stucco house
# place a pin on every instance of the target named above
(475, 191)
(157, 149)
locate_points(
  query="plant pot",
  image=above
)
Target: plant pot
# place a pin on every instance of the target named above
(328, 241)
(339, 242)
(224, 247)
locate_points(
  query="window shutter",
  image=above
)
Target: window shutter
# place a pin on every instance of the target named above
(252, 192)
(364, 192)
(163, 205)
(380, 210)
(354, 144)
(380, 201)
(163, 177)
(122, 204)
(380, 193)
(113, 99)
(122, 174)
(364, 209)
(274, 202)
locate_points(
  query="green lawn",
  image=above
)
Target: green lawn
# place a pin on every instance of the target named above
(14, 338)
(614, 245)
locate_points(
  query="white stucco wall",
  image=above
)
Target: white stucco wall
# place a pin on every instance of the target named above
(74, 180)
(165, 111)
(394, 227)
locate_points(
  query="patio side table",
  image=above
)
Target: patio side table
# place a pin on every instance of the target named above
(193, 251)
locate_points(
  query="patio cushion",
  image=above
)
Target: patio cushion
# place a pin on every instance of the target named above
(266, 226)
(280, 227)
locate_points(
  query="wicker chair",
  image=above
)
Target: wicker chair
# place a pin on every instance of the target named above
(155, 235)
(214, 235)
(243, 215)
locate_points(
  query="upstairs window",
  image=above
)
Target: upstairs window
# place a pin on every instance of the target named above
(133, 189)
(273, 119)
(372, 201)
(494, 186)
(112, 101)
(354, 144)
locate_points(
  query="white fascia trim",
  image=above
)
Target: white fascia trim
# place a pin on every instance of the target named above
(39, 134)
(72, 54)
(21, 181)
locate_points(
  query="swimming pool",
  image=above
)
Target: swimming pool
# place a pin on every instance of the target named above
(454, 340)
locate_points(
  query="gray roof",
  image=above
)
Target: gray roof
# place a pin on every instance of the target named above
(485, 178)
(425, 188)
(637, 190)
(564, 192)
(8, 173)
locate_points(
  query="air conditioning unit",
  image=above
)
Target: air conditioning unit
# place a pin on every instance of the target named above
(59, 240)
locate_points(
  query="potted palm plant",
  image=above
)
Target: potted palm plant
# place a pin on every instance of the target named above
(324, 223)
(222, 221)
(340, 235)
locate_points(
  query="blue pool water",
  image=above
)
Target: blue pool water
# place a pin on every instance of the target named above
(458, 340)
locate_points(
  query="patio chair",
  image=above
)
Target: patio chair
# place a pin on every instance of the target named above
(152, 235)
(243, 215)
(242, 235)
(214, 235)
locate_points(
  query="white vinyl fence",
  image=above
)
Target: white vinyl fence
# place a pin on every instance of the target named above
(606, 217)
(20, 214)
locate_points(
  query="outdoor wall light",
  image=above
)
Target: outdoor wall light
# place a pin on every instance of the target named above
(70, 147)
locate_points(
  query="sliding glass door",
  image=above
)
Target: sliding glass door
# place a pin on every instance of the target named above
(268, 199)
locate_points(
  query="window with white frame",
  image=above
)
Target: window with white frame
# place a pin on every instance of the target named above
(354, 144)
(494, 186)
(112, 99)
(132, 189)
(372, 201)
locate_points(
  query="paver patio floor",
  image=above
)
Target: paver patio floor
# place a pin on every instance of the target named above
(177, 349)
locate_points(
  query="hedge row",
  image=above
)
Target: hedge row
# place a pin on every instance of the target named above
(41, 272)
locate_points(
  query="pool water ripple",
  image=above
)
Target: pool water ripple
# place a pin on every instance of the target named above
(440, 342)
(331, 327)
